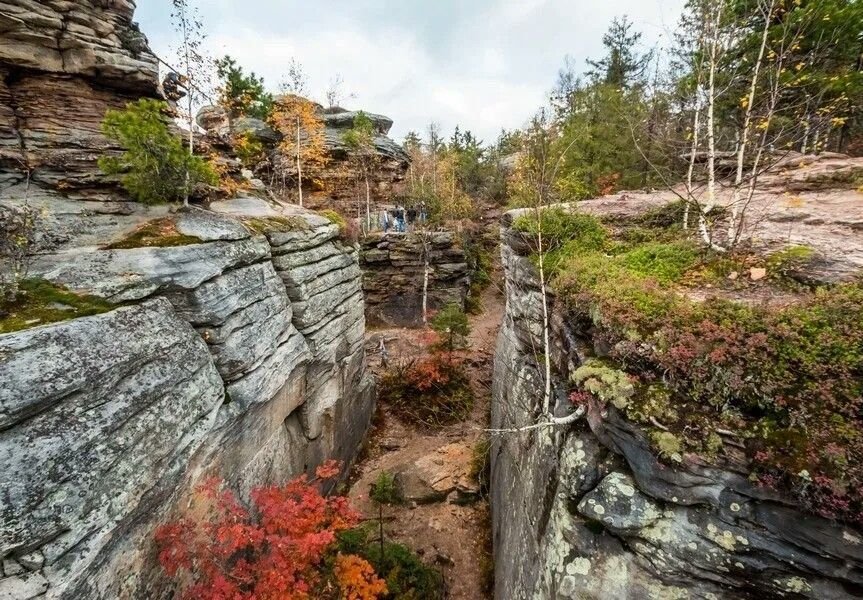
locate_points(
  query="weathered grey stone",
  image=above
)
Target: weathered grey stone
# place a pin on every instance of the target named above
(618, 504)
(243, 315)
(256, 128)
(91, 413)
(134, 274)
(269, 381)
(23, 587)
(214, 120)
(210, 227)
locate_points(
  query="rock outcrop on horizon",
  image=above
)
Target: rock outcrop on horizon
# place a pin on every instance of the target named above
(337, 183)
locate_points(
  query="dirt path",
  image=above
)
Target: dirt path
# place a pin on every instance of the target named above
(447, 523)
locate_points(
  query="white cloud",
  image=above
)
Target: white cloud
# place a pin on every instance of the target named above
(483, 64)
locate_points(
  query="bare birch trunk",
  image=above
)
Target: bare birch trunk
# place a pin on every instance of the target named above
(299, 165)
(747, 125)
(703, 228)
(368, 203)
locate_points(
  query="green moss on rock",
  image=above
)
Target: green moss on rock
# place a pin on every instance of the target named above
(161, 233)
(606, 383)
(263, 225)
(40, 302)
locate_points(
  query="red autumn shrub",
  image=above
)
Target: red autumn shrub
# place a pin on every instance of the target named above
(275, 550)
(431, 392)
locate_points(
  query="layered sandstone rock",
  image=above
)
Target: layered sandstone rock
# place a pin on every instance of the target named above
(394, 267)
(62, 66)
(589, 510)
(336, 186)
(239, 357)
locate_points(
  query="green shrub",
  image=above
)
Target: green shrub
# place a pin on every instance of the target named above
(452, 324)
(384, 490)
(558, 227)
(242, 94)
(407, 577)
(665, 262)
(155, 167)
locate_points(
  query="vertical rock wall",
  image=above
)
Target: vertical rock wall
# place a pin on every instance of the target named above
(240, 357)
(62, 65)
(589, 511)
(393, 273)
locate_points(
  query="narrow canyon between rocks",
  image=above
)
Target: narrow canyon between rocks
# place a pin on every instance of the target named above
(258, 342)
(445, 516)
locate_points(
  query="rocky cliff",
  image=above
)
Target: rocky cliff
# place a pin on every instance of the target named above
(225, 342)
(334, 186)
(238, 356)
(394, 270)
(590, 510)
(62, 65)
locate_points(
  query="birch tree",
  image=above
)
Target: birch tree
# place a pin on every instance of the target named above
(188, 24)
(360, 139)
(537, 186)
(298, 120)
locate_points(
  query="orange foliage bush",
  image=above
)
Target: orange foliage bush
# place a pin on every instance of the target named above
(357, 579)
(277, 550)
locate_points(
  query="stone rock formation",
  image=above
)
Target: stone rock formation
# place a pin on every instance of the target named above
(589, 511)
(238, 354)
(393, 266)
(62, 65)
(339, 178)
(239, 357)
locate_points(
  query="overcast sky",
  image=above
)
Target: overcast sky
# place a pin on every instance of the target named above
(481, 64)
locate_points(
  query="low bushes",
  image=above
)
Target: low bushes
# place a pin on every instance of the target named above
(285, 546)
(431, 392)
(406, 576)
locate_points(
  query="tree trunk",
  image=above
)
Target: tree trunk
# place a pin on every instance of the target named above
(381, 526)
(191, 149)
(426, 269)
(711, 133)
(747, 124)
(299, 165)
(368, 203)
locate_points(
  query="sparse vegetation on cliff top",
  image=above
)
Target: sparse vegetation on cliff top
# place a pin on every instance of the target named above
(155, 167)
(787, 379)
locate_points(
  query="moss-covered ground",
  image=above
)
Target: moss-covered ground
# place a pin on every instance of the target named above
(161, 233)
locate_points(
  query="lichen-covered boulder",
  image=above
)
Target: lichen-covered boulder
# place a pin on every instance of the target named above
(95, 414)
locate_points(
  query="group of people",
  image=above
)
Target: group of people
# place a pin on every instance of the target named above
(399, 218)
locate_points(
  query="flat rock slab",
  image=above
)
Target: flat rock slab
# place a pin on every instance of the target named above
(134, 274)
(434, 477)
